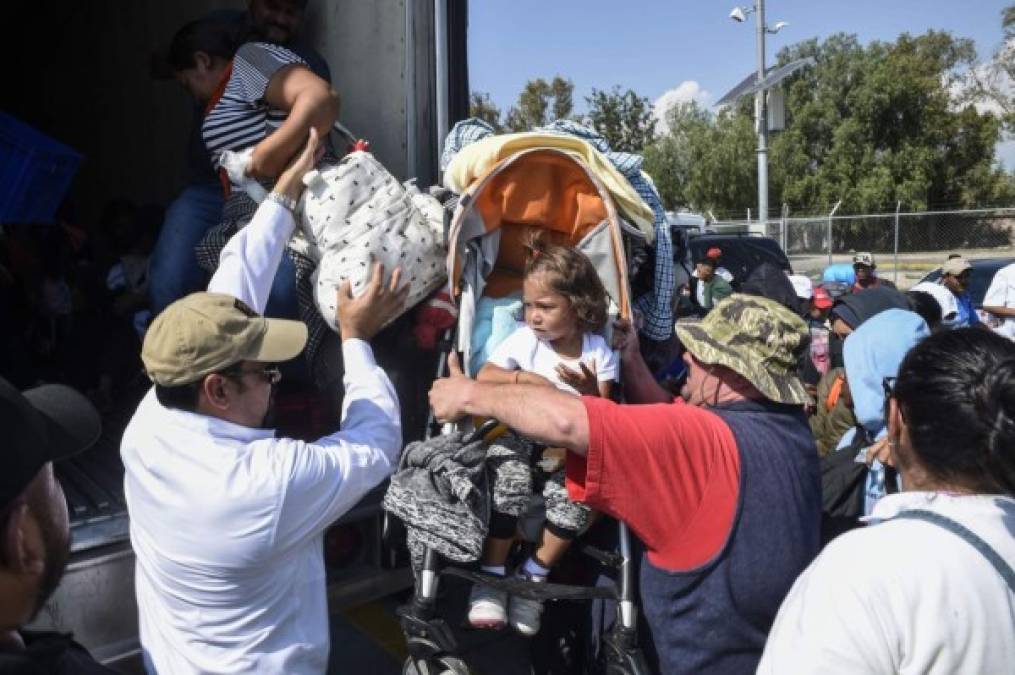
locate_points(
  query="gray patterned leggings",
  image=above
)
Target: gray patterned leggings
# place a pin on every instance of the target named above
(515, 480)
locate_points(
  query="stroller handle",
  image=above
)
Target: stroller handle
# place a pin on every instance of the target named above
(482, 430)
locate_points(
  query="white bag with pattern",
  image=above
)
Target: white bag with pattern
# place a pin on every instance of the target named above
(354, 213)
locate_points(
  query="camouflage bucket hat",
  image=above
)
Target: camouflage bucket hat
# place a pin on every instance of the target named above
(756, 338)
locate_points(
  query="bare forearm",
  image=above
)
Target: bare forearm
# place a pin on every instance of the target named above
(312, 108)
(492, 374)
(541, 413)
(1003, 312)
(639, 384)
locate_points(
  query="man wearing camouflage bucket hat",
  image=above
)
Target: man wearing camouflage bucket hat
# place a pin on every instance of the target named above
(720, 484)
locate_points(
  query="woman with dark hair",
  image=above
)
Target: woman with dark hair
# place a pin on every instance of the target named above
(928, 586)
(261, 99)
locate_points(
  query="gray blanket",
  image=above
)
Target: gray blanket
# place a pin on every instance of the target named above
(440, 492)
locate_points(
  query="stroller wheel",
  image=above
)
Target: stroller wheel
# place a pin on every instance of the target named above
(440, 665)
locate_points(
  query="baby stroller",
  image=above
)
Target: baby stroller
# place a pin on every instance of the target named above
(556, 193)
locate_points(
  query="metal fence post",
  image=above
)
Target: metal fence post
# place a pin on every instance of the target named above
(834, 209)
(785, 224)
(898, 207)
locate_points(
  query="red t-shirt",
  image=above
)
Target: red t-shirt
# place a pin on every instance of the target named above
(671, 471)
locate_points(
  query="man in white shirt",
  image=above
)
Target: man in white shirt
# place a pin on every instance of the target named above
(226, 520)
(1000, 301)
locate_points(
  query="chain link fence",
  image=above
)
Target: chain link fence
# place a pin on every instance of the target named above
(906, 245)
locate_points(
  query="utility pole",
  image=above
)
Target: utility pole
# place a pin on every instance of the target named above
(739, 14)
(761, 117)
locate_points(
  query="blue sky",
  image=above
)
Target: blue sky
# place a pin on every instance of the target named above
(689, 48)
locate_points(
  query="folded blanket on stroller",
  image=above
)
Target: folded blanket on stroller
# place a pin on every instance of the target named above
(496, 318)
(440, 493)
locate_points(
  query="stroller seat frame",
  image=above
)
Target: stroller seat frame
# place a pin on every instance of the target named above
(431, 643)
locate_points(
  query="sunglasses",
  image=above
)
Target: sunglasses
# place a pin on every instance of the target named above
(888, 384)
(271, 374)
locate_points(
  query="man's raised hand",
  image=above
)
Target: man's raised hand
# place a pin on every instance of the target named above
(625, 340)
(290, 181)
(362, 317)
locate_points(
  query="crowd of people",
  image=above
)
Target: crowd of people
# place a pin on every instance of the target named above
(764, 553)
(824, 482)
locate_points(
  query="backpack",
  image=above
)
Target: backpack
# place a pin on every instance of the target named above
(356, 212)
(842, 488)
(843, 483)
(353, 213)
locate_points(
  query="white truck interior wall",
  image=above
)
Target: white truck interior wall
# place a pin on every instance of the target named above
(364, 43)
(93, 90)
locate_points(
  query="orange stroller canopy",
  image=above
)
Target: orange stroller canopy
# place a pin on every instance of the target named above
(541, 189)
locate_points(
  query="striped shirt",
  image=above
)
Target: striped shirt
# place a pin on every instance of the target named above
(242, 117)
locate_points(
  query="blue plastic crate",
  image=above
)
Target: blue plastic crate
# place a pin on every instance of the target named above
(35, 172)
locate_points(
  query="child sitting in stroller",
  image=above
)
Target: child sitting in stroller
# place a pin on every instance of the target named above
(564, 304)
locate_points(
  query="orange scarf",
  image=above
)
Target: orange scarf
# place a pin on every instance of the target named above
(216, 96)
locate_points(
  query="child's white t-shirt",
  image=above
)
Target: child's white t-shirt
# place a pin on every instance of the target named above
(522, 350)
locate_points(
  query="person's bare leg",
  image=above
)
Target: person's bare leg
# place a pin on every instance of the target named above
(551, 549)
(496, 551)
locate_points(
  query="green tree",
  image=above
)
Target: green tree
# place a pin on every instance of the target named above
(537, 100)
(668, 158)
(562, 92)
(993, 80)
(704, 161)
(879, 124)
(482, 107)
(870, 125)
(624, 118)
(724, 165)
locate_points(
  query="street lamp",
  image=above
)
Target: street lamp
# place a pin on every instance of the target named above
(739, 14)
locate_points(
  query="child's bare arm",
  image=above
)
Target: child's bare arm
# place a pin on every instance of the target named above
(605, 388)
(496, 375)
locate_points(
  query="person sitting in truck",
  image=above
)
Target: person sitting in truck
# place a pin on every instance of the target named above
(211, 43)
(41, 426)
(226, 520)
(265, 105)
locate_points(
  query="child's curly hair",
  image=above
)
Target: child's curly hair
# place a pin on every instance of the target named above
(570, 273)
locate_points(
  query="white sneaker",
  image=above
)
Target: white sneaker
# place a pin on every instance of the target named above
(524, 614)
(487, 607)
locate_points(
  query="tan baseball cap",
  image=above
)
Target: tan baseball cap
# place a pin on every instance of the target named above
(207, 332)
(956, 266)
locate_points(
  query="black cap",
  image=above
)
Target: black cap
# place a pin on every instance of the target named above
(41, 425)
